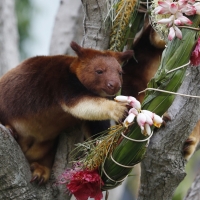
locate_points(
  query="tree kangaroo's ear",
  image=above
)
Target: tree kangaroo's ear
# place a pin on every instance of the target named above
(123, 56)
(78, 49)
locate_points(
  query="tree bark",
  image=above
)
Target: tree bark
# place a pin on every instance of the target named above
(193, 192)
(164, 166)
(67, 28)
(15, 174)
(9, 55)
(96, 33)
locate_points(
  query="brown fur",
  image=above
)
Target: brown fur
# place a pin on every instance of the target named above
(45, 95)
(139, 70)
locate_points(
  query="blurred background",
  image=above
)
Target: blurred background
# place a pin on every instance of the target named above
(35, 25)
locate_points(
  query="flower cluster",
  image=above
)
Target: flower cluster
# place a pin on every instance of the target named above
(175, 11)
(145, 118)
(82, 183)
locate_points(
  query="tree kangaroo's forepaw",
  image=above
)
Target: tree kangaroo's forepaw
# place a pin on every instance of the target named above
(120, 112)
(40, 173)
(189, 147)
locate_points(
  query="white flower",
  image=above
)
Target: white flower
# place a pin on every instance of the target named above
(141, 120)
(197, 7)
(174, 31)
(135, 104)
(132, 101)
(122, 98)
(129, 120)
(147, 130)
(147, 112)
(133, 110)
(157, 121)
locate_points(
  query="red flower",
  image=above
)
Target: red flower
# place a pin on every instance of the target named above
(195, 57)
(83, 183)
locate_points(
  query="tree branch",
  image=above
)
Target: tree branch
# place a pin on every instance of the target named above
(67, 28)
(96, 33)
(15, 174)
(9, 56)
(193, 192)
(164, 166)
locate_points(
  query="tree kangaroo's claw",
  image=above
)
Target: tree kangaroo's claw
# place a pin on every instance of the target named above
(34, 178)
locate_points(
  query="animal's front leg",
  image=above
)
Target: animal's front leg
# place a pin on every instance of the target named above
(96, 108)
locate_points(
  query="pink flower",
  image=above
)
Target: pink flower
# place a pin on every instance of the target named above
(82, 183)
(133, 110)
(197, 7)
(147, 130)
(189, 10)
(176, 18)
(173, 8)
(163, 7)
(182, 3)
(161, 10)
(141, 120)
(122, 98)
(174, 31)
(195, 57)
(148, 119)
(178, 32)
(183, 19)
(167, 20)
(171, 34)
(165, 4)
(132, 101)
(129, 120)
(191, 1)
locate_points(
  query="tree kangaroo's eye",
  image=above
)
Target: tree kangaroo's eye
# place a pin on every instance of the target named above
(120, 73)
(99, 71)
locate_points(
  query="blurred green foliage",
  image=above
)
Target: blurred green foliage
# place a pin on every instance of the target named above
(24, 11)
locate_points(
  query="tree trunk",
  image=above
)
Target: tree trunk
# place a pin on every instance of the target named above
(164, 166)
(9, 55)
(193, 192)
(96, 33)
(67, 28)
(15, 174)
